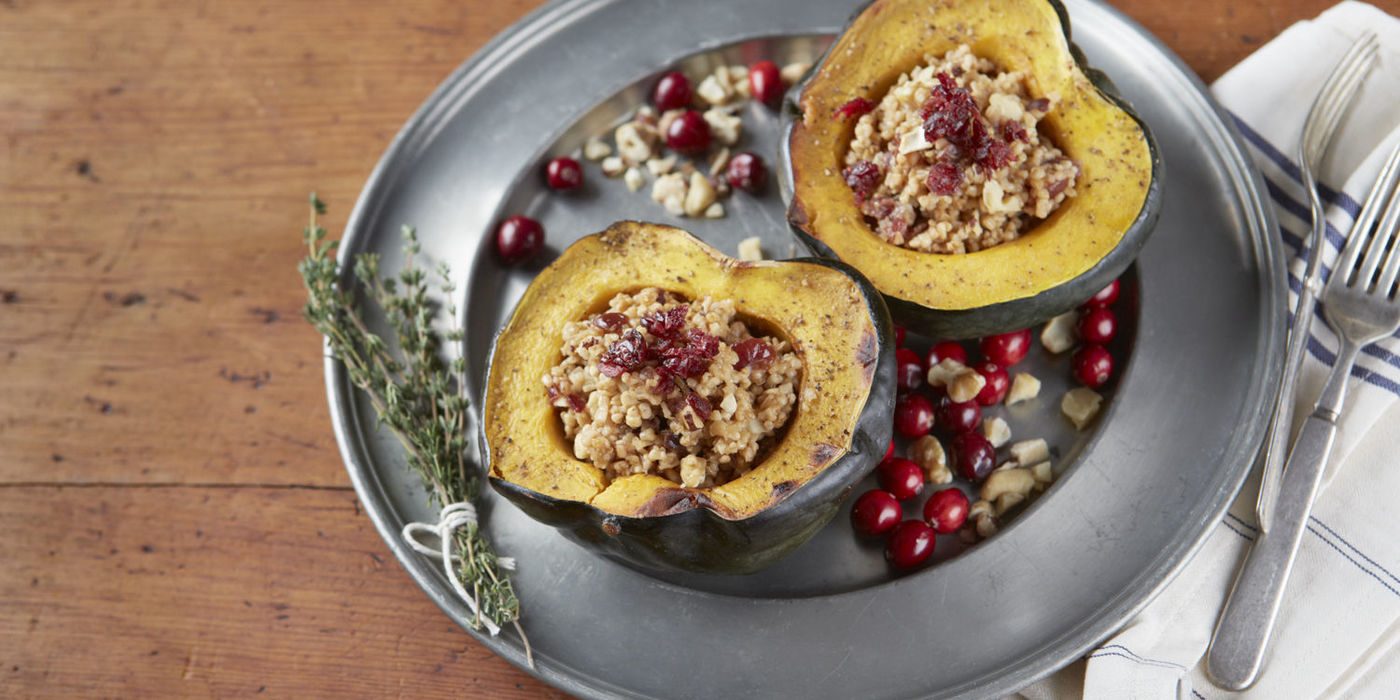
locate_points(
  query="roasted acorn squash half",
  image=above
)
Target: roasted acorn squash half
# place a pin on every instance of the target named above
(1082, 246)
(839, 429)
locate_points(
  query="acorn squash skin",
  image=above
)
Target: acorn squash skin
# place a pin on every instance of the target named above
(1089, 241)
(834, 438)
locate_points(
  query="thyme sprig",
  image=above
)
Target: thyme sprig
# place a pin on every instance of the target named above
(420, 398)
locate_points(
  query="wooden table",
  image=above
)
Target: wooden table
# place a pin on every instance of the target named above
(174, 515)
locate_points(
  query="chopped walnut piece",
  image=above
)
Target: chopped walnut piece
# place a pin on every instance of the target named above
(634, 179)
(942, 374)
(613, 166)
(927, 452)
(1004, 481)
(724, 126)
(1024, 387)
(750, 249)
(596, 149)
(1043, 473)
(793, 72)
(670, 190)
(700, 195)
(1080, 405)
(713, 91)
(965, 385)
(1028, 452)
(996, 431)
(660, 166)
(714, 211)
(634, 144)
(1059, 334)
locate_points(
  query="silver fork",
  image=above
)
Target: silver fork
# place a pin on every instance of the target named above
(1338, 92)
(1360, 303)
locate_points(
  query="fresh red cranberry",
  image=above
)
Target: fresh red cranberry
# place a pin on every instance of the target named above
(755, 352)
(946, 510)
(688, 134)
(959, 417)
(972, 455)
(908, 369)
(747, 172)
(998, 382)
(913, 416)
(1097, 325)
(1006, 349)
(946, 350)
(901, 477)
(563, 173)
(910, 544)
(889, 451)
(672, 92)
(853, 108)
(1092, 365)
(899, 334)
(765, 84)
(519, 238)
(1106, 296)
(875, 513)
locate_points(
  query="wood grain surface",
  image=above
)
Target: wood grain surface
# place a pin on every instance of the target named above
(174, 516)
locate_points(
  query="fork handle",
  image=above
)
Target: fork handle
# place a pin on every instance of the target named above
(1242, 635)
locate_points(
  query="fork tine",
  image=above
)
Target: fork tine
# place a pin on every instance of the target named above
(1361, 231)
(1339, 85)
(1333, 104)
(1389, 226)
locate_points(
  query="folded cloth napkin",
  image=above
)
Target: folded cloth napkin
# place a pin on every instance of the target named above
(1339, 630)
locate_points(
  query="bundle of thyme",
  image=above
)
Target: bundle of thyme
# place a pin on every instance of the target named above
(422, 401)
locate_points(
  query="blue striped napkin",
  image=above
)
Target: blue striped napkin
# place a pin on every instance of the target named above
(1339, 632)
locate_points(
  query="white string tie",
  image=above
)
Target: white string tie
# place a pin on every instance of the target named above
(453, 517)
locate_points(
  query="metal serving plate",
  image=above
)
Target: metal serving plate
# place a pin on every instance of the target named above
(1138, 493)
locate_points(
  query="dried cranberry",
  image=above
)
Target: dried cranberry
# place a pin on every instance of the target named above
(946, 350)
(519, 238)
(1106, 296)
(862, 177)
(672, 441)
(747, 172)
(576, 402)
(688, 134)
(611, 321)
(854, 108)
(1092, 365)
(1097, 325)
(946, 510)
(1006, 349)
(959, 416)
(908, 369)
(563, 174)
(672, 92)
(689, 355)
(626, 354)
(765, 83)
(1040, 104)
(755, 352)
(667, 323)
(944, 178)
(998, 382)
(1011, 130)
(950, 113)
(901, 477)
(913, 416)
(910, 545)
(699, 404)
(972, 455)
(875, 513)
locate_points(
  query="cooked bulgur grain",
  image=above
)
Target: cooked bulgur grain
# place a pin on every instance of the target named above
(630, 415)
(985, 206)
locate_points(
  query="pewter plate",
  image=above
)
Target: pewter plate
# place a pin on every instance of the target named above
(1135, 496)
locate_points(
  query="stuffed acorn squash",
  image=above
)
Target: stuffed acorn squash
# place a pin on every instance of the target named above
(1061, 258)
(829, 317)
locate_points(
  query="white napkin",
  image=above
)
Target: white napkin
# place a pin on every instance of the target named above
(1339, 630)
